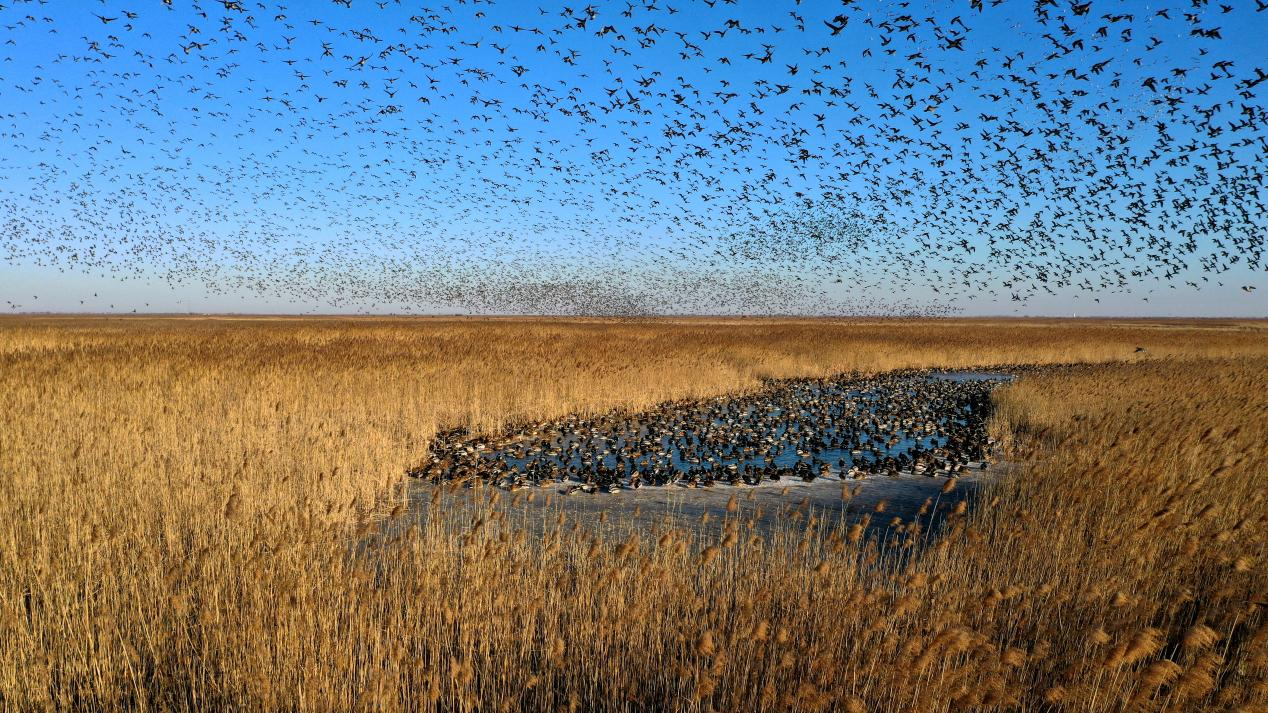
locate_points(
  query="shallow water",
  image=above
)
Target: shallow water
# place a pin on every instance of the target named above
(876, 501)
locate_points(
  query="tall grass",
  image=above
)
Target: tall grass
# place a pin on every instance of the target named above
(180, 499)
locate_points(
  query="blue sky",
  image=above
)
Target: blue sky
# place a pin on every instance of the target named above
(365, 159)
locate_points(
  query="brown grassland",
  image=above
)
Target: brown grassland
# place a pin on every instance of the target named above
(180, 499)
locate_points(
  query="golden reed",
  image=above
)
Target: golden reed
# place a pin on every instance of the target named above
(182, 499)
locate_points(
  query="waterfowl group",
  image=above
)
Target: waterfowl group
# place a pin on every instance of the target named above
(917, 422)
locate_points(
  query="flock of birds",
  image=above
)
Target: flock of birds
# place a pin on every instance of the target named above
(637, 156)
(845, 427)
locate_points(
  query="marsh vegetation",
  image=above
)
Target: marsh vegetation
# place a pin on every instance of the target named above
(181, 497)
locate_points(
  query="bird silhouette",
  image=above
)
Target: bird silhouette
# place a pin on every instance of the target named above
(635, 158)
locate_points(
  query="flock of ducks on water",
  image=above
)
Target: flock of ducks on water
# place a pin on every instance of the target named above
(919, 422)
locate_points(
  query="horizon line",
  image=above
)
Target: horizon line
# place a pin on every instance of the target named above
(457, 315)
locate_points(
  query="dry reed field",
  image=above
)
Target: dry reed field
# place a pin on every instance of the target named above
(191, 520)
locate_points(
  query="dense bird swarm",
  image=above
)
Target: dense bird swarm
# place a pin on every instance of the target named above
(626, 158)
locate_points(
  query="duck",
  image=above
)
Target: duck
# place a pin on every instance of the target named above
(905, 422)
